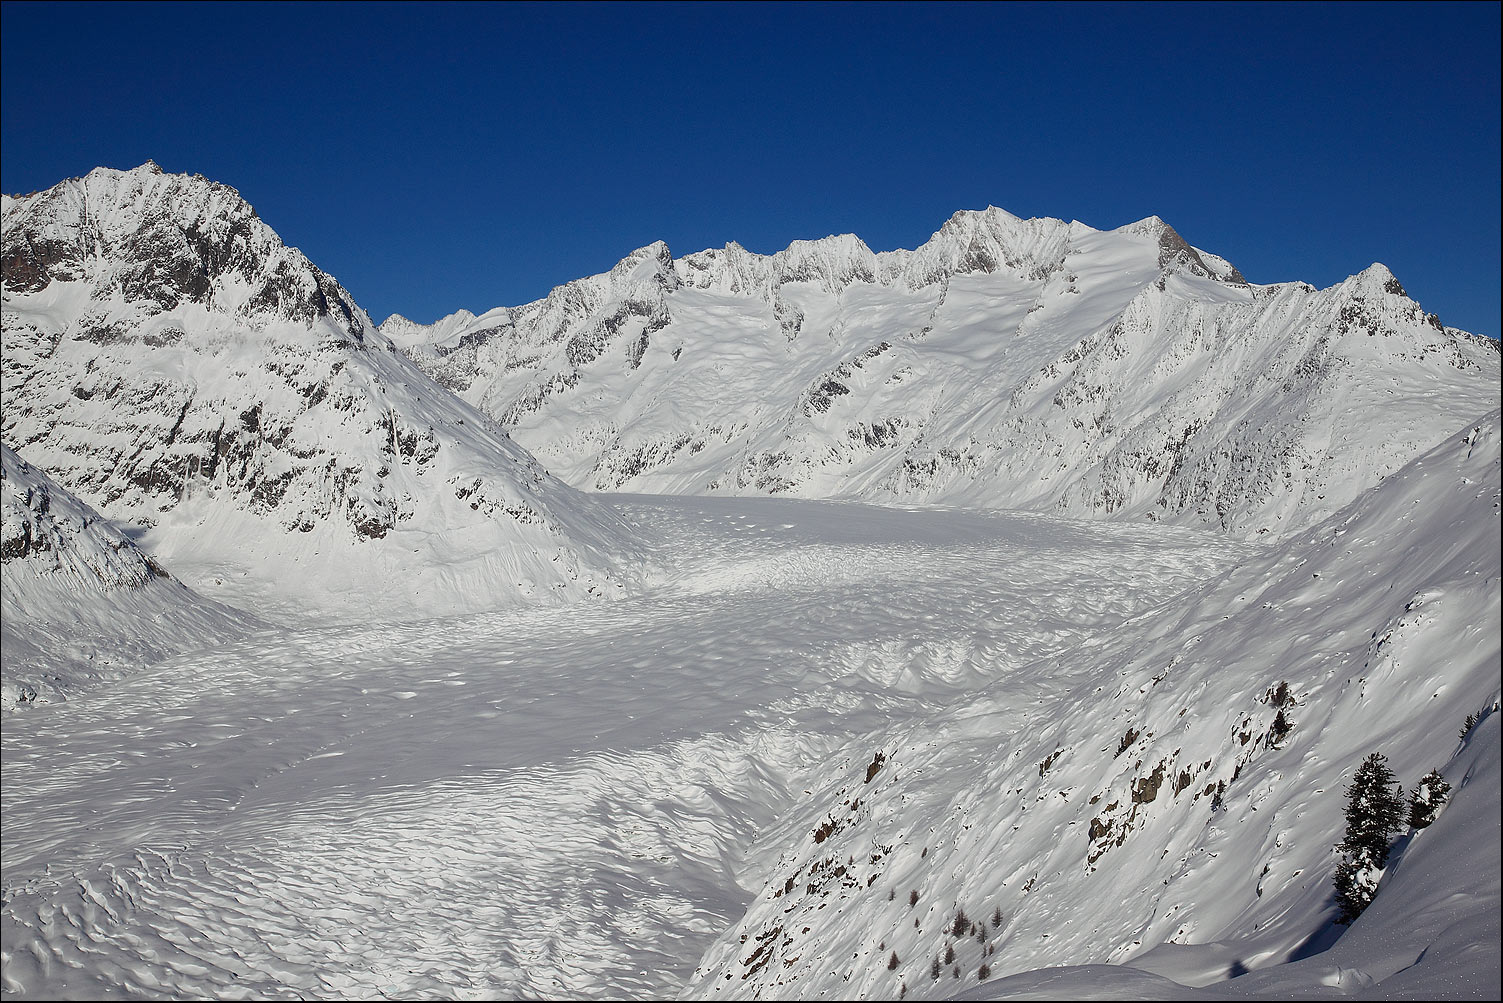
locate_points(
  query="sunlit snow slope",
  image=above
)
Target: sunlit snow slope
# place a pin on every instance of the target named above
(79, 601)
(171, 362)
(1006, 363)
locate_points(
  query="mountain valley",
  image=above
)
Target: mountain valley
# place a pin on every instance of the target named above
(1007, 615)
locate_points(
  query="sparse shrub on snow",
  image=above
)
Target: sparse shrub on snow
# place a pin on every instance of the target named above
(1282, 726)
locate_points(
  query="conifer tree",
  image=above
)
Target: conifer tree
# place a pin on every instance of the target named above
(1467, 726)
(1429, 797)
(1374, 813)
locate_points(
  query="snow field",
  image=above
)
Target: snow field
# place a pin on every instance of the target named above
(546, 803)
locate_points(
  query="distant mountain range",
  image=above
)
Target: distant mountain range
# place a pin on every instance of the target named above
(199, 422)
(1006, 363)
(170, 362)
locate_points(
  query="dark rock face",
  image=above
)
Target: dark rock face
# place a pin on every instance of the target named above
(1173, 249)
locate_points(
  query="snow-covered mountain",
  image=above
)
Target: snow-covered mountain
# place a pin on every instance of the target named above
(170, 361)
(824, 750)
(80, 601)
(1005, 363)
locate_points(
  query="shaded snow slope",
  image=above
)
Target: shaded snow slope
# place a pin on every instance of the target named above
(1173, 801)
(79, 602)
(170, 361)
(1006, 363)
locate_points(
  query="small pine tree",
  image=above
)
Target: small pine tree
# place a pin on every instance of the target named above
(1468, 725)
(892, 961)
(1429, 797)
(1374, 813)
(962, 926)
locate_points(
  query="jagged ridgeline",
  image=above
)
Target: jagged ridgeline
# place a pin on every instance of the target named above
(1005, 363)
(172, 363)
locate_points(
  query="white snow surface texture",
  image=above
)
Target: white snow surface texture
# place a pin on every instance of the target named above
(391, 712)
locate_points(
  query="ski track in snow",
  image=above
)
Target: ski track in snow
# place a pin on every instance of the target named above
(544, 803)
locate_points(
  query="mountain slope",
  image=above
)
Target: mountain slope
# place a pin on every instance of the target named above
(1186, 793)
(169, 360)
(1005, 363)
(80, 601)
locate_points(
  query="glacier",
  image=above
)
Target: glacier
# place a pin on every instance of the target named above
(999, 618)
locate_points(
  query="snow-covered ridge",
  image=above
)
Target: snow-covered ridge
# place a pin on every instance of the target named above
(49, 532)
(169, 360)
(1003, 363)
(81, 602)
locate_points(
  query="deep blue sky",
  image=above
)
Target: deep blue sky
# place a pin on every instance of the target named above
(434, 157)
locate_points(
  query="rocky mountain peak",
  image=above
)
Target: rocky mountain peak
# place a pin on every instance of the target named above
(832, 262)
(649, 266)
(145, 243)
(987, 241)
(1176, 252)
(1376, 279)
(166, 353)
